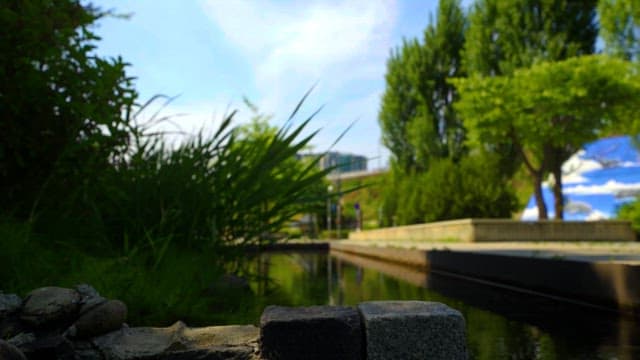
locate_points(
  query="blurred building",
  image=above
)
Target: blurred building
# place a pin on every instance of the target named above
(342, 162)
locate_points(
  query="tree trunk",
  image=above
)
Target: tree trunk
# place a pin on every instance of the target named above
(537, 190)
(558, 199)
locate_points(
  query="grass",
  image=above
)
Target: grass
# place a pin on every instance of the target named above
(159, 226)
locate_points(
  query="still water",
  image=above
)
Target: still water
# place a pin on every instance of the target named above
(501, 324)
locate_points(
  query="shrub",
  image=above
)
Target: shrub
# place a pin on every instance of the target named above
(471, 188)
(631, 211)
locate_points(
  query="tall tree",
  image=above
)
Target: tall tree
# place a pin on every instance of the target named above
(61, 106)
(504, 36)
(550, 109)
(416, 116)
(620, 27)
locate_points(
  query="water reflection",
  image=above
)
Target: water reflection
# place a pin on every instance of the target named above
(501, 324)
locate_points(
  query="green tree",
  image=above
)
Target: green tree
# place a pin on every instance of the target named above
(61, 105)
(620, 27)
(417, 119)
(631, 212)
(506, 35)
(549, 110)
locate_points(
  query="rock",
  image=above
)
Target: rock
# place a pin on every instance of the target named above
(100, 320)
(22, 339)
(413, 330)
(46, 346)
(180, 342)
(89, 297)
(316, 332)
(48, 306)
(12, 326)
(10, 352)
(9, 304)
(86, 291)
(84, 350)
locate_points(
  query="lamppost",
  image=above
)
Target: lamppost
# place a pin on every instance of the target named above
(329, 189)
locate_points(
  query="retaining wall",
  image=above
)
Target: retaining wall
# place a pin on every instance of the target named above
(490, 230)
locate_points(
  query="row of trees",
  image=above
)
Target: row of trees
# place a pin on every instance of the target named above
(517, 80)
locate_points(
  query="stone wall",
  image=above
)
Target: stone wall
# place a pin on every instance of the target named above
(59, 323)
(489, 230)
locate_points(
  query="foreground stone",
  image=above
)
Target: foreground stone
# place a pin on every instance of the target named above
(413, 330)
(99, 320)
(316, 332)
(50, 306)
(9, 304)
(237, 342)
(10, 352)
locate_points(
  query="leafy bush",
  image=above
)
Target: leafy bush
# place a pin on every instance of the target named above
(631, 211)
(471, 188)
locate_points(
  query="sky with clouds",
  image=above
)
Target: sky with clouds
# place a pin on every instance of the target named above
(597, 180)
(212, 53)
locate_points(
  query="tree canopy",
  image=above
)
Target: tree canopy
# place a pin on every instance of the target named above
(417, 119)
(620, 27)
(506, 35)
(59, 102)
(549, 110)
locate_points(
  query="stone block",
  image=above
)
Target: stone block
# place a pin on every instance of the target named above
(316, 332)
(413, 330)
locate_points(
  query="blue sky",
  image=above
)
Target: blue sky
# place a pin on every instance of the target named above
(214, 52)
(596, 180)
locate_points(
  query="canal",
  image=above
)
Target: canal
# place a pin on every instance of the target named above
(501, 323)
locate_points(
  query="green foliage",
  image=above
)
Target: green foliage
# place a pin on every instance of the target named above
(417, 120)
(620, 27)
(368, 195)
(631, 212)
(61, 106)
(506, 35)
(474, 187)
(551, 109)
(91, 195)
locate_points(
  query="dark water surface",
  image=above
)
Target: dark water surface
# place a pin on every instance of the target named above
(501, 324)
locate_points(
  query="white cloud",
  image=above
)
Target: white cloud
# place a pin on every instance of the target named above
(596, 215)
(577, 207)
(530, 214)
(575, 166)
(610, 187)
(292, 45)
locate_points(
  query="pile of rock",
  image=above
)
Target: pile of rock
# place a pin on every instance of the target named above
(60, 323)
